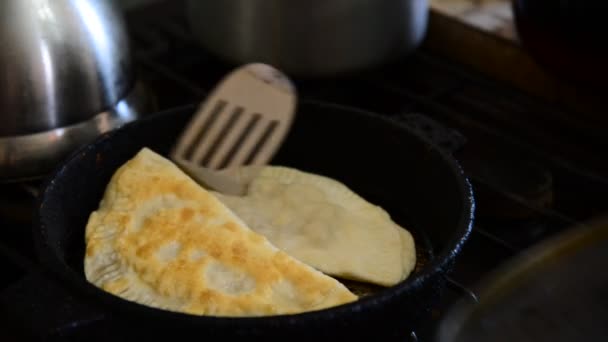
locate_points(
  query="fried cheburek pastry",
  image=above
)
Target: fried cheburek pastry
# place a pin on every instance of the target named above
(160, 239)
(321, 222)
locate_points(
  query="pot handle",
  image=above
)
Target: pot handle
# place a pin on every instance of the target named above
(38, 307)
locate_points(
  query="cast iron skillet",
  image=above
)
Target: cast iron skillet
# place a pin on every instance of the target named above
(421, 187)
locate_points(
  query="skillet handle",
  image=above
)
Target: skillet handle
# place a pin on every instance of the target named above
(36, 307)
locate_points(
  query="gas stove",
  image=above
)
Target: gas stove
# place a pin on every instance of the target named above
(534, 173)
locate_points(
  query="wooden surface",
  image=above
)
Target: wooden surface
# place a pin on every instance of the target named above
(481, 34)
(492, 16)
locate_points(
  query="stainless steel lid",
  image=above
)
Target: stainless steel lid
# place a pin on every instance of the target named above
(65, 77)
(555, 291)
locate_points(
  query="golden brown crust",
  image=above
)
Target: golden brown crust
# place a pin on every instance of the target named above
(160, 239)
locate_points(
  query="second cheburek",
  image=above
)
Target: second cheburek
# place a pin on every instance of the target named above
(160, 239)
(323, 223)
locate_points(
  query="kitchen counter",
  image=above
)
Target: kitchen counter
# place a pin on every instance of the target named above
(481, 34)
(492, 16)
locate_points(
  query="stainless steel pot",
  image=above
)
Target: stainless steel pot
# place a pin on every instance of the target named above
(309, 37)
(65, 77)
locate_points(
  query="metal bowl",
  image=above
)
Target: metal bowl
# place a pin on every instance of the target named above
(65, 77)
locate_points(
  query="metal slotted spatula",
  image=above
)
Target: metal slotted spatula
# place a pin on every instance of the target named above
(242, 122)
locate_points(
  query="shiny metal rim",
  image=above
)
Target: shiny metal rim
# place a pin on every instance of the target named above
(513, 272)
(33, 156)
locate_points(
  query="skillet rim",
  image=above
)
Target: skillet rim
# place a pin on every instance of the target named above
(439, 265)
